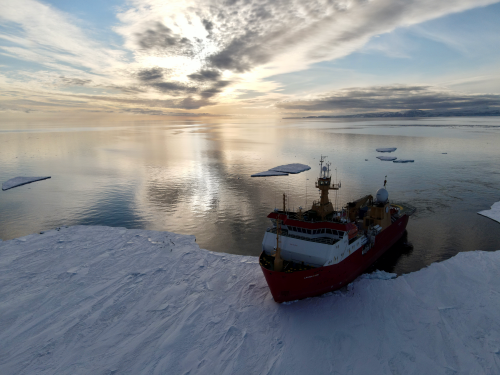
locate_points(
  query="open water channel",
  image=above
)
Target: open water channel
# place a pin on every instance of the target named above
(193, 177)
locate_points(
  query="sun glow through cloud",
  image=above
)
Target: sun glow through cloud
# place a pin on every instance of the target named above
(242, 58)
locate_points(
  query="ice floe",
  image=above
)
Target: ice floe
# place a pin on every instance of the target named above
(493, 213)
(387, 158)
(100, 300)
(291, 168)
(269, 173)
(403, 161)
(388, 149)
(18, 181)
(283, 170)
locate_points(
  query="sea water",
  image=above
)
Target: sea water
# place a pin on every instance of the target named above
(192, 176)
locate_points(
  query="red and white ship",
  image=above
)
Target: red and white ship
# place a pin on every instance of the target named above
(308, 253)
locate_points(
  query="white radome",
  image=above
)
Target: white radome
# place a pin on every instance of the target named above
(382, 195)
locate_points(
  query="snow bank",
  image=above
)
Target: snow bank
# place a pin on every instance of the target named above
(388, 149)
(99, 300)
(387, 158)
(493, 213)
(18, 181)
(283, 170)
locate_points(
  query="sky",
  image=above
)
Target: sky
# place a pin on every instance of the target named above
(247, 57)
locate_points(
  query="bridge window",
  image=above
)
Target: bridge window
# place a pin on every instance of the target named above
(308, 231)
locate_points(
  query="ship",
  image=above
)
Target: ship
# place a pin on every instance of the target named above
(306, 253)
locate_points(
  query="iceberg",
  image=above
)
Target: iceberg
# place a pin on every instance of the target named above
(388, 149)
(283, 170)
(101, 300)
(18, 181)
(493, 213)
(403, 161)
(387, 158)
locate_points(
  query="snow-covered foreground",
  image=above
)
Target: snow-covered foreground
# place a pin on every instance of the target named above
(493, 213)
(100, 300)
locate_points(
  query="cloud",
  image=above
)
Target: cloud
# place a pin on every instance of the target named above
(42, 34)
(75, 81)
(173, 88)
(162, 38)
(150, 74)
(392, 98)
(282, 35)
(194, 53)
(205, 75)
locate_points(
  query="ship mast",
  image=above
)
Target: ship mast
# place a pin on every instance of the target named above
(324, 207)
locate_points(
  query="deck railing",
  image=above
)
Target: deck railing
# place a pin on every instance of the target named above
(323, 240)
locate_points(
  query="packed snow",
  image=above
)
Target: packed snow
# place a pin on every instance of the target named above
(403, 161)
(493, 213)
(100, 300)
(388, 149)
(283, 170)
(387, 158)
(269, 173)
(18, 181)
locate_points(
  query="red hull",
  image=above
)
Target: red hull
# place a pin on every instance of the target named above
(297, 285)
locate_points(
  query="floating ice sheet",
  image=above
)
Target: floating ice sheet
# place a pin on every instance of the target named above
(387, 158)
(283, 170)
(403, 161)
(291, 168)
(92, 300)
(269, 173)
(493, 213)
(388, 149)
(18, 181)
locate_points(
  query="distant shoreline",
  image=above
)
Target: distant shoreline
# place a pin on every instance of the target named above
(408, 114)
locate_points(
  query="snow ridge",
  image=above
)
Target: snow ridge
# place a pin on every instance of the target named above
(85, 300)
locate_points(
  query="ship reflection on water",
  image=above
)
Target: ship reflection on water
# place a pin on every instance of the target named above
(388, 262)
(193, 177)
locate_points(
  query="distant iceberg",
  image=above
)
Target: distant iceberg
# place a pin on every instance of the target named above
(493, 213)
(101, 300)
(18, 181)
(283, 170)
(387, 158)
(388, 149)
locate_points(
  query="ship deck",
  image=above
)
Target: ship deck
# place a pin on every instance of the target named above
(267, 261)
(405, 208)
(323, 240)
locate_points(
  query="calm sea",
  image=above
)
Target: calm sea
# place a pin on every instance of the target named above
(193, 177)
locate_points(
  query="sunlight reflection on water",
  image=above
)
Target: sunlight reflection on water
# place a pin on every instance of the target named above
(193, 177)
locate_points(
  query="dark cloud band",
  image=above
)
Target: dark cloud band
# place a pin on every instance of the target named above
(392, 98)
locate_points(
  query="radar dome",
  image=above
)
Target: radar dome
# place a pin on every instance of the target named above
(382, 195)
